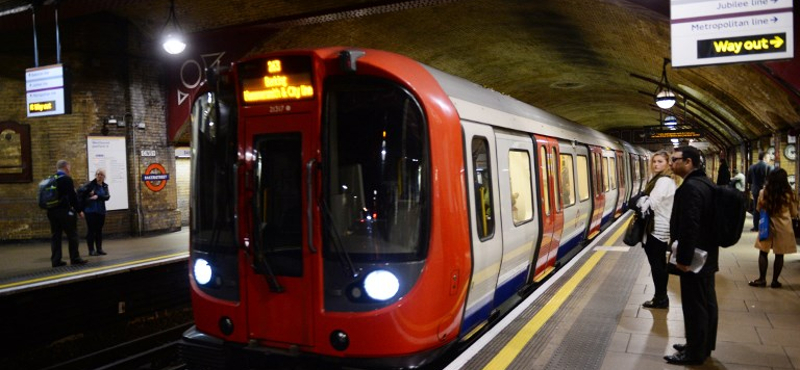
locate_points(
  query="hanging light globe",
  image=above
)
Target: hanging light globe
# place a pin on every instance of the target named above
(670, 121)
(665, 99)
(174, 44)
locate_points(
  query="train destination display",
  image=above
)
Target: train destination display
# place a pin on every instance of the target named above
(718, 32)
(287, 78)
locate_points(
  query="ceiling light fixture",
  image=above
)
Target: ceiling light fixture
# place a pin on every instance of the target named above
(665, 98)
(670, 121)
(173, 37)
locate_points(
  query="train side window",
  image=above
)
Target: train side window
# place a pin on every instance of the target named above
(553, 167)
(612, 172)
(567, 180)
(482, 177)
(519, 175)
(544, 176)
(606, 180)
(583, 178)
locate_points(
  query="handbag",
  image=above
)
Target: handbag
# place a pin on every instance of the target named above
(763, 225)
(635, 231)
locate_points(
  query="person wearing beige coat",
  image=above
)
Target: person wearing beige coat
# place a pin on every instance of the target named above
(780, 202)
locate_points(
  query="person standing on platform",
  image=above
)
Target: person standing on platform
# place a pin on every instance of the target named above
(96, 194)
(757, 175)
(691, 226)
(738, 180)
(659, 196)
(780, 202)
(64, 218)
(724, 173)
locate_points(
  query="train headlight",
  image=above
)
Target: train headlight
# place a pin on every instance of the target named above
(381, 285)
(202, 271)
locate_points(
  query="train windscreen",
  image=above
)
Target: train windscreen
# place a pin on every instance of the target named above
(376, 168)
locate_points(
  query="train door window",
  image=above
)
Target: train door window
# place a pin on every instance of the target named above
(553, 168)
(519, 175)
(612, 172)
(484, 209)
(544, 182)
(583, 177)
(567, 180)
(278, 203)
(606, 180)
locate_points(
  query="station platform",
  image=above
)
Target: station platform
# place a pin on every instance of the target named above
(587, 316)
(26, 265)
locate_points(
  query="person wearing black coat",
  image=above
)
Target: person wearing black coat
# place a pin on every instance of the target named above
(690, 223)
(64, 218)
(94, 207)
(724, 173)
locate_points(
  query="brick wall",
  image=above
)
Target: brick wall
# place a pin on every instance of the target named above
(113, 72)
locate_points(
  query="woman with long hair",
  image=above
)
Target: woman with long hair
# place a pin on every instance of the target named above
(780, 202)
(659, 196)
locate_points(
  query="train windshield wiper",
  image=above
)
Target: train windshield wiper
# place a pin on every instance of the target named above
(336, 240)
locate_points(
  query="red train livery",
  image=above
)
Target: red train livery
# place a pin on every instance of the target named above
(359, 206)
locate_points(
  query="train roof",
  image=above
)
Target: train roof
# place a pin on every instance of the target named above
(523, 117)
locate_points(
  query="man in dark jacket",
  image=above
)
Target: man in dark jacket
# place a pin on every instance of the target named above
(64, 218)
(757, 176)
(691, 225)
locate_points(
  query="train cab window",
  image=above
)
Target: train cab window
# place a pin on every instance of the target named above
(375, 205)
(519, 174)
(567, 180)
(544, 176)
(553, 168)
(606, 179)
(482, 177)
(583, 177)
(612, 172)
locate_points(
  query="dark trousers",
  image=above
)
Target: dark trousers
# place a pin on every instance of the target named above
(755, 211)
(700, 314)
(656, 251)
(66, 222)
(94, 235)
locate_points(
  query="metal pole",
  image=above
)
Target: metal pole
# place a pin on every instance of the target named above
(58, 39)
(35, 41)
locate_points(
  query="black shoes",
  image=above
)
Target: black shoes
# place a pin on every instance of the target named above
(775, 284)
(754, 229)
(59, 264)
(679, 347)
(78, 261)
(101, 253)
(93, 253)
(657, 303)
(681, 358)
(758, 283)
(97, 253)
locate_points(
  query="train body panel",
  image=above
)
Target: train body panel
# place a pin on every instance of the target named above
(356, 204)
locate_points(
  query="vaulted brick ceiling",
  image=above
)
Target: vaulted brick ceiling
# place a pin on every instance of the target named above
(596, 62)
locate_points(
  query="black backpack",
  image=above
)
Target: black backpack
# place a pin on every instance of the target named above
(83, 194)
(48, 193)
(730, 206)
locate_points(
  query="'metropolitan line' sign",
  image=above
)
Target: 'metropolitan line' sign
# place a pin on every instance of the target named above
(731, 31)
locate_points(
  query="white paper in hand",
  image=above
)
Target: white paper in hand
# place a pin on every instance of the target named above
(698, 260)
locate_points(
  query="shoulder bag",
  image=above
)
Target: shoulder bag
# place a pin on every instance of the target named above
(763, 225)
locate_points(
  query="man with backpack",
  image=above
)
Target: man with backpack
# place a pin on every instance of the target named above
(64, 218)
(757, 175)
(692, 226)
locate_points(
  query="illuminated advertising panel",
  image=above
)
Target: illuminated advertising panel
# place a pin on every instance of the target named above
(276, 79)
(46, 91)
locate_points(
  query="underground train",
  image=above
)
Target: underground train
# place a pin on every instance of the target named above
(358, 206)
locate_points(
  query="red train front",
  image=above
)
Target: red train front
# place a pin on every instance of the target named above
(325, 185)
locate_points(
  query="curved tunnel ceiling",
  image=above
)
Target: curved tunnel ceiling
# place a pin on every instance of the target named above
(595, 62)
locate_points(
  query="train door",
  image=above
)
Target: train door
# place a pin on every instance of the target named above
(487, 241)
(282, 276)
(575, 216)
(622, 188)
(551, 212)
(517, 205)
(598, 195)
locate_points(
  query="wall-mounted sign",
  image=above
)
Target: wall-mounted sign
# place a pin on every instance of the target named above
(47, 94)
(731, 31)
(108, 153)
(148, 152)
(155, 177)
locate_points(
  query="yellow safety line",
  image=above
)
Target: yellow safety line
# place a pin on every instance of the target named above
(84, 271)
(515, 346)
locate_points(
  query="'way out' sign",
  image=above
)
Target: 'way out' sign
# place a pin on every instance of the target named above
(730, 31)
